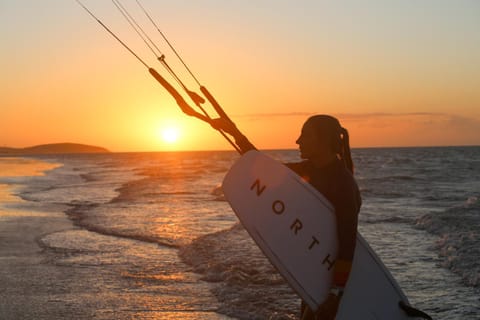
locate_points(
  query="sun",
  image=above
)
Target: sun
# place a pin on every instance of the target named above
(170, 135)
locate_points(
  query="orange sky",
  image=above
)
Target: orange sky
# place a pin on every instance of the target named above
(397, 74)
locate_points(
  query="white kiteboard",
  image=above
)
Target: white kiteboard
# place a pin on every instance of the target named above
(295, 227)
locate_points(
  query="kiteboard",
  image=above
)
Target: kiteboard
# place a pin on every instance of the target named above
(295, 227)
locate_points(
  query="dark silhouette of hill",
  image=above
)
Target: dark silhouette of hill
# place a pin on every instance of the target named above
(53, 148)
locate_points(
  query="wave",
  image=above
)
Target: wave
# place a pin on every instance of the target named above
(392, 219)
(79, 214)
(393, 178)
(217, 191)
(247, 285)
(127, 197)
(459, 238)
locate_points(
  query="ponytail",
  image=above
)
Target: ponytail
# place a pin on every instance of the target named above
(346, 154)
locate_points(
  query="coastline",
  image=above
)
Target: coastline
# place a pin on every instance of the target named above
(45, 273)
(28, 282)
(116, 275)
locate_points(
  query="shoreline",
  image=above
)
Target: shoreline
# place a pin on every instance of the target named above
(28, 282)
(41, 281)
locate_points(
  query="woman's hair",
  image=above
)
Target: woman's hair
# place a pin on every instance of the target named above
(330, 128)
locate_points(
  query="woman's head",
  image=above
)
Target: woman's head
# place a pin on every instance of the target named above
(323, 137)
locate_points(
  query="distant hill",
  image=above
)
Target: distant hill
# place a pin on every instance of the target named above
(53, 148)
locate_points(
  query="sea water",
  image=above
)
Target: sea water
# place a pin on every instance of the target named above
(160, 238)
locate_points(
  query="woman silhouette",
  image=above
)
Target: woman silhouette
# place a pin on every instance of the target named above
(327, 165)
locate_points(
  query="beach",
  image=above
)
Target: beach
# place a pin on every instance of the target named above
(150, 235)
(38, 283)
(35, 287)
(31, 287)
(29, 283)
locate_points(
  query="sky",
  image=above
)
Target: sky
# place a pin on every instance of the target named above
(395, 73)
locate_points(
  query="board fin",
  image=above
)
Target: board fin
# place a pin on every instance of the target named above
(412, 312)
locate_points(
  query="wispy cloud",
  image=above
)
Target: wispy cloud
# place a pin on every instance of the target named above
(418, 117)
(422, 119)
(258, 116)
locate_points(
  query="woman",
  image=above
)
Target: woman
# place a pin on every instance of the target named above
(327, 166)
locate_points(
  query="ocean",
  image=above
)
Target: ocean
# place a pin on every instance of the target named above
(154, 237)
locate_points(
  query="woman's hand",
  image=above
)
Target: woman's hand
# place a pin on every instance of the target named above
(226, 126)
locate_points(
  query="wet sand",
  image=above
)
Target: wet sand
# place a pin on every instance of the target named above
(34, 286)
(35, 283)
(31, 286)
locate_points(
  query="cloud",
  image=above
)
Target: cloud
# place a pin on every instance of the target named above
(382, 128)
(259, 116)
(425, 118)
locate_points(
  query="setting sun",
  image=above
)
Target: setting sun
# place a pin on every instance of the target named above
(170, 134)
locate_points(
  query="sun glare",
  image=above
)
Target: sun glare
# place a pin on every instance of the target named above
(170, 134)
